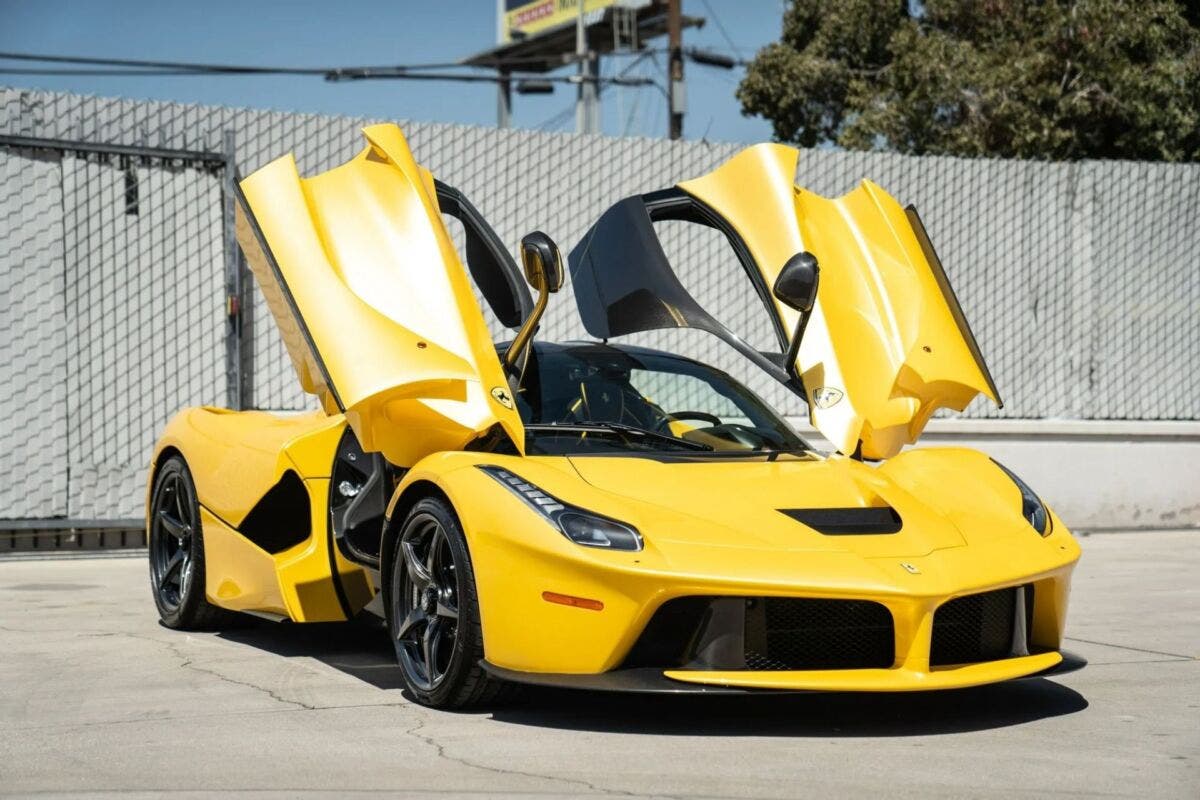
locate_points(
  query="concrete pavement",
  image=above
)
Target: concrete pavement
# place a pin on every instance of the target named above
(96, 697)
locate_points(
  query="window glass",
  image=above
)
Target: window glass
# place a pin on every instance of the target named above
(676, 392)
(571, 394)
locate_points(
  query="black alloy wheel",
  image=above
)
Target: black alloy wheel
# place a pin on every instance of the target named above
(425, 637)
(434, 612)
(176, 548)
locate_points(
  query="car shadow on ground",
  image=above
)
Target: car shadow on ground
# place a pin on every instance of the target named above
(816, 714)
(362, 650)
(359, 648)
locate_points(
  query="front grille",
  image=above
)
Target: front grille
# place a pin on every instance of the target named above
(766, 633)
(785, 633)
(978, 627)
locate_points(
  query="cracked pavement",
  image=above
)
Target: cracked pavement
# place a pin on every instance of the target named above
(97, 698)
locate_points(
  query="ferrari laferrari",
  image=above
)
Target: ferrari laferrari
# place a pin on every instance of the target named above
(594, 514)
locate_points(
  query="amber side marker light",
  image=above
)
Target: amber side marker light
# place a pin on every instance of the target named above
(568, 600)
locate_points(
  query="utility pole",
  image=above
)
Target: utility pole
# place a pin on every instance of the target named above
(504, 99)
(676, 90)
(587, 118)
(504, 85)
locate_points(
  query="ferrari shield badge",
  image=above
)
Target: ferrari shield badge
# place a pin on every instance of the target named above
(502, 396)
(826, 397)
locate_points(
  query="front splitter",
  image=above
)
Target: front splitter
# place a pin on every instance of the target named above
(653, 680)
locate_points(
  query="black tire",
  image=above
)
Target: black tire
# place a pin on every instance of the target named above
(176, 552)
(432, 596)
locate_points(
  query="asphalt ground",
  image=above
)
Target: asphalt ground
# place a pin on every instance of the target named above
(96, 697)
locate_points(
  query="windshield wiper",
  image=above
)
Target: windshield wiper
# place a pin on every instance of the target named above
(619, 428)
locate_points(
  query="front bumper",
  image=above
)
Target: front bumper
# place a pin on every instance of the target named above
(657, 681)
(519, 562)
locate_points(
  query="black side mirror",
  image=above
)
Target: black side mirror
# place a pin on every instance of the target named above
(544, 271)
(542, 261)
(796, 287)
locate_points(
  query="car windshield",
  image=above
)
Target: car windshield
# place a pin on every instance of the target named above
(600, 399)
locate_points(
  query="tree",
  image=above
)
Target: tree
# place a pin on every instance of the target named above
(1013, 78)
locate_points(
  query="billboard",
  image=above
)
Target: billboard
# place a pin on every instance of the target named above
(528, 18)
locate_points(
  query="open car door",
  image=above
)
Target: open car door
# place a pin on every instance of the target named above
(887, 343)
(374, 306)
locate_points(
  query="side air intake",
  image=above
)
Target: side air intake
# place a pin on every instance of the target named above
(282, 518)
(982, 627)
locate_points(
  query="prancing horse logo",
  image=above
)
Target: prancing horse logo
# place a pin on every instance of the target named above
(502, 396)
(826, 397)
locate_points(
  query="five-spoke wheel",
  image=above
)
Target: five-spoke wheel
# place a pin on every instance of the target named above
(429, 596)
(171, 540)
(434, 611)
(177, 550)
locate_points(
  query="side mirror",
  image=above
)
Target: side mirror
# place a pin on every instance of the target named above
(542, 261)
(544, 271)
(796, 288)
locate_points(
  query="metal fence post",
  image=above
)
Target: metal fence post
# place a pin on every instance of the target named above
(235, 376)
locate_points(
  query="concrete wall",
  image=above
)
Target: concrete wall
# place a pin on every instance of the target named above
(1095, 475)
(1081, 281)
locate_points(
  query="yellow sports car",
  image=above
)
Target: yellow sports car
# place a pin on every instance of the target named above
(598, 515)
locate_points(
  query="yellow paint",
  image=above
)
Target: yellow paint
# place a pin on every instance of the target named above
(367, 260)
(876, 680)
(238, 575)
(882, 332)
(233, 456)
(234, 459)
(371, 269)
(700, 542)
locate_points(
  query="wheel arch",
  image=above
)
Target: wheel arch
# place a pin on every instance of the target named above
(176, 437)
(161, 456)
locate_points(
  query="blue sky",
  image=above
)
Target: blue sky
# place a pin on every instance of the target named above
(370, 32)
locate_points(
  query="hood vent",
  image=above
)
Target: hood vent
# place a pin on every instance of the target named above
(847, 521)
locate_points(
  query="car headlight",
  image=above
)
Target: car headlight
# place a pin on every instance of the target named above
(1032, 508)
(580, 526)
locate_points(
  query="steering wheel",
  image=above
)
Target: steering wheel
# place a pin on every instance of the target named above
(703, 416)
(744, 435)
(601, 401)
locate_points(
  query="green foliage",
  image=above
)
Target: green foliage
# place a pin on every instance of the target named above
(1012, 78)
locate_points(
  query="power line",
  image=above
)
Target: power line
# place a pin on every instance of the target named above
(728, 39)
(121, 67)
(552, 123)
(209, 68)
(506, 70)
(405, 73)
(98, 72)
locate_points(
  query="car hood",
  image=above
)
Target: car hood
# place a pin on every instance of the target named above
(760, 504)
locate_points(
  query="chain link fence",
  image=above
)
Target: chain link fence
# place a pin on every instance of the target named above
(1081, 281)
